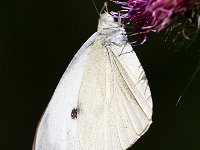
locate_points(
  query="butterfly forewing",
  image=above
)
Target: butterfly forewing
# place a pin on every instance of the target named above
(57, 130)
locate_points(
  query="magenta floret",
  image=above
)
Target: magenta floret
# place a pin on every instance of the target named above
(150, 15)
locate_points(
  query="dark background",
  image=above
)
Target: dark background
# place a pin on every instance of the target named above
(38, 38)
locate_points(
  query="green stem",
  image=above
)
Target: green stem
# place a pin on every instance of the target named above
(190, 81)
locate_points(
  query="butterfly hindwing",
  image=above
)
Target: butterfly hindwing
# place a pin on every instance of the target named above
(111, 116)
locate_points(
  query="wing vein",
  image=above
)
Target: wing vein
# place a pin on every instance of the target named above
(117, 65)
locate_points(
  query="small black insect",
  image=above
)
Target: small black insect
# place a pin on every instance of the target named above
(74, 113)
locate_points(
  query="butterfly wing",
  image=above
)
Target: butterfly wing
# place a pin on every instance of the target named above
(57, 130)
(130, 63)
(115, 105)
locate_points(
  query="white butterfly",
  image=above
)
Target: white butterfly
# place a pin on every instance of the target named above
(103, 101)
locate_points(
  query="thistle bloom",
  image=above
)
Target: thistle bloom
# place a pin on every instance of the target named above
(151, 15)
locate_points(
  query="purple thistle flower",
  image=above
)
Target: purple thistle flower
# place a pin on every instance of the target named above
(150, 15)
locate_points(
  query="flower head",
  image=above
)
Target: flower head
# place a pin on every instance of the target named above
(151, 15)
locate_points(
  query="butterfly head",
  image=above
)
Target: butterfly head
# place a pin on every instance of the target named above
(107, 21)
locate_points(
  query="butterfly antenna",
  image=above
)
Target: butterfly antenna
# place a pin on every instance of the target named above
(105, 7)
(95, 7)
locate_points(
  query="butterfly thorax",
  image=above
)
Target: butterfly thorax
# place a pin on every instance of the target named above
(111, 32)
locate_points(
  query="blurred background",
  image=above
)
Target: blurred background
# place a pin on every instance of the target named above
(38, 39)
